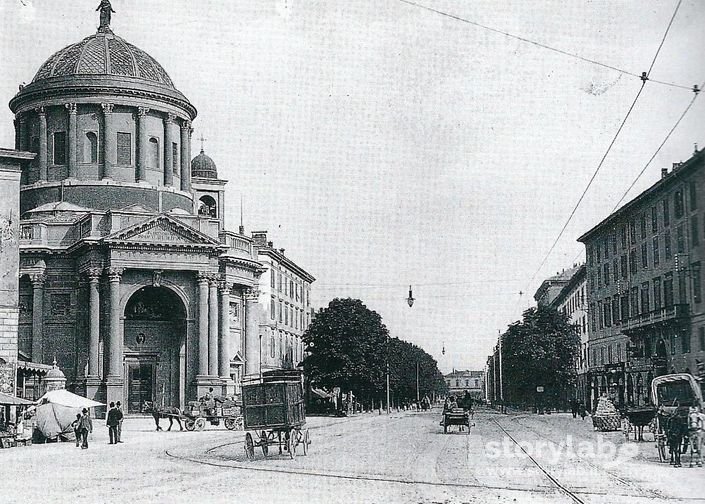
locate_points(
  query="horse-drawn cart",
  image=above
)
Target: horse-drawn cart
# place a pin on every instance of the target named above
(213, 411)
(456, 416)
(274, 412)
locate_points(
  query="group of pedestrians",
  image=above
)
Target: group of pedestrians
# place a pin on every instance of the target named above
(83, 425)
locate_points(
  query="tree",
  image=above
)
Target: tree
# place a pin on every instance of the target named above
(404, 361)
(346, 345)
(539, 350)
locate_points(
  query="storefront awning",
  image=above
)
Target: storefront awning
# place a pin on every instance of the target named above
(9, 400)
(321, 393)
(33, 367)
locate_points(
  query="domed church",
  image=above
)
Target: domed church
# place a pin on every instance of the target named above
(127, 276)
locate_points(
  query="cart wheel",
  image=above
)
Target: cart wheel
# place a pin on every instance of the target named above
(200, 424)
(190, 424)
(265, 443)
(306, 441)
(292, 442)
(233, 423)
(249, 447)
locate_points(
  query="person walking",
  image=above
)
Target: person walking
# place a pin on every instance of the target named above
(86, 426)
(76, 424)
(112, 422)
(118, 406)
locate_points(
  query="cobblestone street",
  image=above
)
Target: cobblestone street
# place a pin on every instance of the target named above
(366, 458)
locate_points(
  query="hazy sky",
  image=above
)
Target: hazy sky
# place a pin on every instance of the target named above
(385, 145)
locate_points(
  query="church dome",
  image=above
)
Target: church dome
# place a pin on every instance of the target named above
(203, 166)
(103, 54)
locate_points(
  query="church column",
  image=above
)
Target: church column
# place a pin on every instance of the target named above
(23, 131)
(168, 150)
(72, 108)
(223, 344)
(114, 343)
(252, 336)
(93, 322)
(18, 132)
(43, 166)
(142, 144)
(186, 156)
(213, 327)
(202, 281)
(109, 141)
(37, 316)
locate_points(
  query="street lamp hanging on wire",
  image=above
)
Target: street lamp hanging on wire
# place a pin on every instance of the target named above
(410, 299)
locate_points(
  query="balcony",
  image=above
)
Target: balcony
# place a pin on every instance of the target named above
(238, 245)
(660, 316)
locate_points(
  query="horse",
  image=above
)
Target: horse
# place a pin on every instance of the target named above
(170, 412)
(676, 436)
(696, 435)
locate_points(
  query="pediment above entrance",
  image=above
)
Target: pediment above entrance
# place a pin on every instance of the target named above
(162, 230)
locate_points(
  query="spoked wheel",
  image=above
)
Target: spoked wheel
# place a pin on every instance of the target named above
(292, 441)
(306, 441)
(190, 424)
(265, 443)
(249, 447)
(200, 424)
(233, 423)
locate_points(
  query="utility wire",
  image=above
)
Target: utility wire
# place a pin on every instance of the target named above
(644, 78)
(648, 163)
(555, 49)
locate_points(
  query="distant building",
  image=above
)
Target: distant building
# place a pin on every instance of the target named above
(459, 382)
(285, 298)
(644, 275)
(572, 301)
(552, 287)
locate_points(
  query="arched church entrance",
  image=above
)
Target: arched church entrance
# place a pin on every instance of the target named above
(154, 348)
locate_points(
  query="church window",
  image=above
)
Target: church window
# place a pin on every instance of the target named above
(175, 157)
(207, 207)
(124, 148)
(153, 153)
(90, 148)
(60, 148)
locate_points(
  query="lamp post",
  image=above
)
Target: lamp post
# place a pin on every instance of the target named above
(387, 373)
(417, 381)
(260, 357)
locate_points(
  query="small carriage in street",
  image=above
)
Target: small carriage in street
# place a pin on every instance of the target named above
(456, 416)
(274, 414)
(213, 411)
(674, 394)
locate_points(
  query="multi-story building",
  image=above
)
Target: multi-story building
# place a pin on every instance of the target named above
(285, 298)
(572, 301)
(459, 382)
(552, 286)
(645, 302)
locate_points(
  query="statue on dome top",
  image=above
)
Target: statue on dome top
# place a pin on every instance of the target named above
(106, 11)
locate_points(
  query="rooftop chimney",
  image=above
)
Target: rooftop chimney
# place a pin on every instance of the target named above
(270, 244)
(664, 172)
(282, 250)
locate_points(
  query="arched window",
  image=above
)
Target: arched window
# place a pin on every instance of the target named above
(90, 148)
(207, 206)
(153, 153)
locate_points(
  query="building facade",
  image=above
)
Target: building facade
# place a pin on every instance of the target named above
(285, 299)
(572, 302)
(645, 307)
(459, 382)
(127, 276)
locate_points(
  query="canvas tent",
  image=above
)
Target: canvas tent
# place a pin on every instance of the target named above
(57, 409)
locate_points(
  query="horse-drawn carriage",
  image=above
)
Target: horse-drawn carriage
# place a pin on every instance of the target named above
(274, 411)
(456, 416)
(678, 420)
(213, 411)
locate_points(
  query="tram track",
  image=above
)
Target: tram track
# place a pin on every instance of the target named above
(209, 458)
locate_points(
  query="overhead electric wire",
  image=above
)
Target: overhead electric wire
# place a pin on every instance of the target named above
(555, 49)
(644, 80)
(648, 163)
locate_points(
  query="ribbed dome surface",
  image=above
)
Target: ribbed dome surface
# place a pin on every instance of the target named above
(104, 54)
(203, 166)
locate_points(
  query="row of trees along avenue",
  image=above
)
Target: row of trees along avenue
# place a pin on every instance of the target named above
(539, 351)
(349, 347)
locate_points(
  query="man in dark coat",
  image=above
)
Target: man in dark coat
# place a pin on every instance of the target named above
(114, 417)
(85, 425)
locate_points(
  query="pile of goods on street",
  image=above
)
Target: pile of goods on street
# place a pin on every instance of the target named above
(606, 417)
